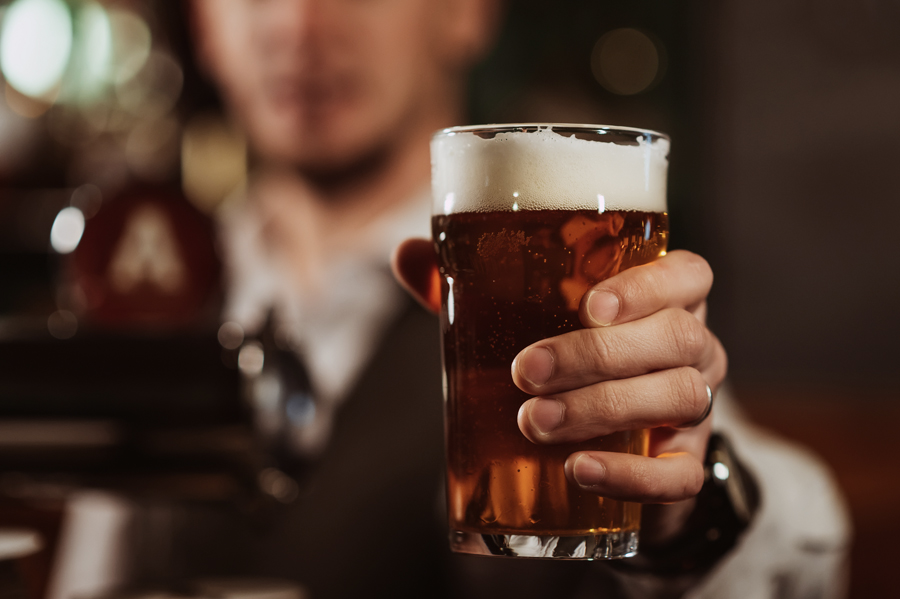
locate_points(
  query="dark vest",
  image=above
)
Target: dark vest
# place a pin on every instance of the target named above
(370, 519)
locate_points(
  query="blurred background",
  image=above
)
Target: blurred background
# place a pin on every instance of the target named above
(785, 126)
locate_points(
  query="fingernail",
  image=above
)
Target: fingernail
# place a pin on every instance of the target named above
(603, 307)
(535, 365)
(588, 472)
(545, 415)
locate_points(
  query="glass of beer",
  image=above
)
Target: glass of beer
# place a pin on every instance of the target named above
(527, 218)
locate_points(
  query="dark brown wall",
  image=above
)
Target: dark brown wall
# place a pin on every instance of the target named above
(806, 194)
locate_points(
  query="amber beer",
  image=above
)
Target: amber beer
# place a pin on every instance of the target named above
(521, 236)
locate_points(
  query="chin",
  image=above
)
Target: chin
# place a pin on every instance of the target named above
(326, 144)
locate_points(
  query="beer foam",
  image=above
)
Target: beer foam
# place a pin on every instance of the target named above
(547, 169)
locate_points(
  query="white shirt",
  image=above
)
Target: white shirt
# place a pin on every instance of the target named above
(335, 328)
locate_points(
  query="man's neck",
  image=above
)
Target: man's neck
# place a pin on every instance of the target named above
(311, 217)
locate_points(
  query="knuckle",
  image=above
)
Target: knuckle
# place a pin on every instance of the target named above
(612, 408)
(722, 362)
(690, 385)
(696, 262)
(701, 268)
(687, 334)
(597, 349)
(645, 283)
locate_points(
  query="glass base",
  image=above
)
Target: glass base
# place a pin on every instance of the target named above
(583, 547)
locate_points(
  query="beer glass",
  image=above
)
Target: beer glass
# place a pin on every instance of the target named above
(526, 219)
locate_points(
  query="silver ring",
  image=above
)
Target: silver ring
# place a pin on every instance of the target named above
(704, 416)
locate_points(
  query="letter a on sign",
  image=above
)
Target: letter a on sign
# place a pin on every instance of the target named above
(147, 253)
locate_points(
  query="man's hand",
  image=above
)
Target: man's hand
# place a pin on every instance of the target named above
(644, 360)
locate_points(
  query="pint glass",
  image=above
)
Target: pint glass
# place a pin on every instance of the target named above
(526, 219)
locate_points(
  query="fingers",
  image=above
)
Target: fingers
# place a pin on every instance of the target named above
(664, 398)
(664, 479)
(651, 370)
(670, 338)
(679, 279)
(415, 266)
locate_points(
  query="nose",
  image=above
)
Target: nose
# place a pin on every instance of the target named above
(290, 25)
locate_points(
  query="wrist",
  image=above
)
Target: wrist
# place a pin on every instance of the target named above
(721, 512)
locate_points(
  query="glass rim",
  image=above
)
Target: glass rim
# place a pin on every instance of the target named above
(650, 134)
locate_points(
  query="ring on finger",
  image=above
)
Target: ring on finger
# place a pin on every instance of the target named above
(706, 412)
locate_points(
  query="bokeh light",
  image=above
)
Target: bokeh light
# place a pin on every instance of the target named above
(132, 41)
(626, 61)
(251, 359)
(231, 335)
(92, 55)
(721, 471)
(62, 324)
(154, 89)
(279, 485)
(213, 160)
(67, 230)
(35, 45)
(88, 199)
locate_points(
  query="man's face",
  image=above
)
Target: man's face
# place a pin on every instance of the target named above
(324, 83)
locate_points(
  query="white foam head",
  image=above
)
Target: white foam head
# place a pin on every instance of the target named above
(545, 167)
